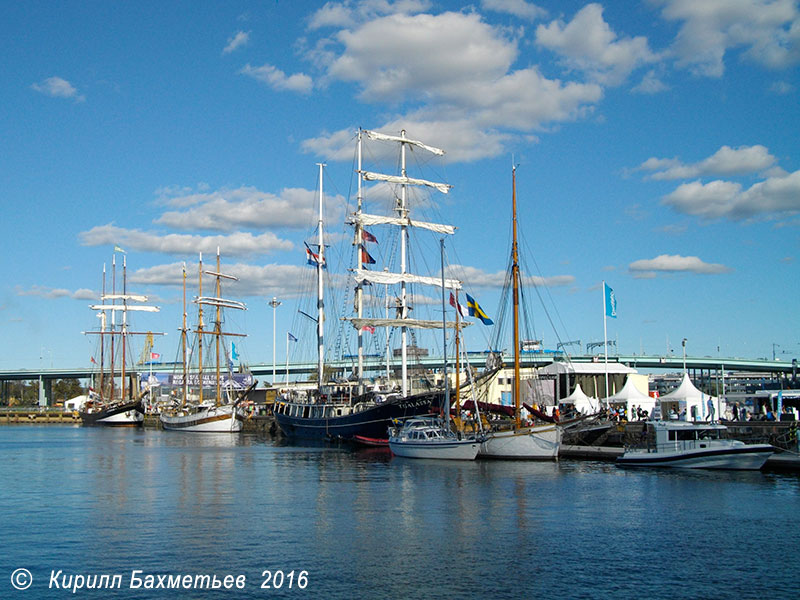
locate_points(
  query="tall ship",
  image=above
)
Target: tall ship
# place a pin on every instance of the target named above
(358, 408)
(207, 393)
(114, 395)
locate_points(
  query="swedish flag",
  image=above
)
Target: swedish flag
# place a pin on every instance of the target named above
(476, 311)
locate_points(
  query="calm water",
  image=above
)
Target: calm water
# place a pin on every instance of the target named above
(363, 525)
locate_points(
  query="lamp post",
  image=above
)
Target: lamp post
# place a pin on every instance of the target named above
(683, 343)
(274, 304)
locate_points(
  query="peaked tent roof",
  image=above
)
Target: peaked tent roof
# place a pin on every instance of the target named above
(579, 398)
(685, 392)
(630, 392)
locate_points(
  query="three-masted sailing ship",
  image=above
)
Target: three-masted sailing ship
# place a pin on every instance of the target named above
(334, 411)
(114, 396)
(207, 395)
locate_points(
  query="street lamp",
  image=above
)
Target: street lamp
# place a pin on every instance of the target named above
(274, 304)
(683, 343)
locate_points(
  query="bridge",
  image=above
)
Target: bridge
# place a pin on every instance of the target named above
(375, 366)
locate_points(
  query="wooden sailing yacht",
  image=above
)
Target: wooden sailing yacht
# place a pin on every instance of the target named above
(194, 411)
(108, 404)
(520, 442)
(336, 411)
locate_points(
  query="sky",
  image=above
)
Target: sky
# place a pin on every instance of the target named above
(655, 143)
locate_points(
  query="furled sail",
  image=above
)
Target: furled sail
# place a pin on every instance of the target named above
(374, 135)
(368, 220)
(387, 278)
(360, 323)
(399, 179)
(123, 307)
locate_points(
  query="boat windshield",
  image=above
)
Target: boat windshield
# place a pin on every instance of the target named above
(681, 435)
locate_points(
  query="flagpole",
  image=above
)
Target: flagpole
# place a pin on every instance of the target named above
(605, 336)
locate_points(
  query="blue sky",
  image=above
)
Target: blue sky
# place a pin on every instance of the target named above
(657, 145)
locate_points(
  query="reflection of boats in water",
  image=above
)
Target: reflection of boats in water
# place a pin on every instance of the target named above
(194, 411)
(430, 437)
(694, 446)
(107, 404)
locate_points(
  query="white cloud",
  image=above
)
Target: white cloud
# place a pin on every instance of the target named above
(767, 30)
(247, 208)
(588, 44)
(456, 70)
(743, 160)
(650, 84)
(58, 88)
(235, 244)
(241, 38)
(287, 281)
(674, 263)
(55, 293)
(348, 13)
(775, 196)
(518, 8)
(278, 80)
(479, 278)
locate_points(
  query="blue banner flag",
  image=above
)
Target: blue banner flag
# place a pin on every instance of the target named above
(290, 337)
(611, 301)
(234, 353)
(476, 311)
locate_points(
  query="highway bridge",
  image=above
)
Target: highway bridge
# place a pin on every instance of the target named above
(375, 366)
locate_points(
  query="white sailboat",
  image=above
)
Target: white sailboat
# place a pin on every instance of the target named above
(195, 411)
(537, 442)
(432, 437)
(108, 405)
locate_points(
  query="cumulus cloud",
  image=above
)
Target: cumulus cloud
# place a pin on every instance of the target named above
(235, 244)
(349, 13)
(58, 88)
(674, 263)
(768, 31)
(588, 44)
(246, 208)
(479, 278)
(457, 70)
(278, 80)
(518, 8)
(743, 160)
(241, 38)
(54, 293)
(775, 196)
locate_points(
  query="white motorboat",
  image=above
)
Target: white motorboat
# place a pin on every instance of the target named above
(428, 437)
(688, 445)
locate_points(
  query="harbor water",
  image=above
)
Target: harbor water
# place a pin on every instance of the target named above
(286, 521)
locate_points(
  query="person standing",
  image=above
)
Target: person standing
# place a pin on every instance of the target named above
(710, 406)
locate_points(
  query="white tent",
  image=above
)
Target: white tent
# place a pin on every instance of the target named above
(76, 403)
(691, 402)
(583, 403)
(631, 396)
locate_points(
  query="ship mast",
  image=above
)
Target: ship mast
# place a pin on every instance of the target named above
(320, 289)
(515, 280)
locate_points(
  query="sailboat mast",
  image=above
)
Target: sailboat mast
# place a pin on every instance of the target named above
(200, 329)
(183, 345)
(218, 329)
(113, 323)
(446, 406)
(320, 300)
(124, 319)
(359, 240)
(515, 283)
(103, 336)
(403, 270)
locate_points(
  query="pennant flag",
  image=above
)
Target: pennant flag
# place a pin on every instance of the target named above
(154, 356)
(368, 328)
(313, 259)
(611, 301)
(234, 353)
(94, 362)
(365, 257)
(366, 236)
(462, 310)
(476, 311)
(291, 337)
(118, 249)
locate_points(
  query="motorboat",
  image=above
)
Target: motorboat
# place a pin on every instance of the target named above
(429, 437)
(689, 445)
